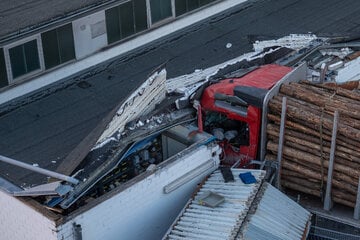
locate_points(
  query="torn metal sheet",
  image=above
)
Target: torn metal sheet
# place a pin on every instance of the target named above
(276, 217)
(54, 188)
(140, 102)
(8, 186)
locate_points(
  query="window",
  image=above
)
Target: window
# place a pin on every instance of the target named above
(125, 20)
(58, 46)
(24, 58)
(184, 6)
(160, 9)
(3, 75)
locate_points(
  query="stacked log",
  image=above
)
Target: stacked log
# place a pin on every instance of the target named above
(307, 139)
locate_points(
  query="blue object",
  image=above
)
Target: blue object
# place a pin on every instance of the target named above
(247, 178)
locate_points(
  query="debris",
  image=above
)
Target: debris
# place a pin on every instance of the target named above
(211, 199)
(228, 45)
(247, 178)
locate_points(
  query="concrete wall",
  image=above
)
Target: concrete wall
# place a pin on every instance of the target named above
(89, 34)
(19, 221)
(143, 211)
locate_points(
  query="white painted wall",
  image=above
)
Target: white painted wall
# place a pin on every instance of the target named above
(143, 211)
(18, 221)
(89, 34)
(70, 69)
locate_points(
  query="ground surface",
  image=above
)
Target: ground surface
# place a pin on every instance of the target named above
(46, 129)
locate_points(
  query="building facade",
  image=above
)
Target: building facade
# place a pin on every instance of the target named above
(49, 46)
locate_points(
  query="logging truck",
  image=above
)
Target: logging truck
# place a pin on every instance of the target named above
(308, 129)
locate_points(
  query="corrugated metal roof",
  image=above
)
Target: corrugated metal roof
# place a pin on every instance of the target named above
(276, 217)
(222, 222)
(250, 211)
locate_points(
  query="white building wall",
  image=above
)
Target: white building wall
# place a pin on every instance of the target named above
(89, 34)
(143, 211)
(19, 221)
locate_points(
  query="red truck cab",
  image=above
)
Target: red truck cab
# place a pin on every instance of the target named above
(231, 110)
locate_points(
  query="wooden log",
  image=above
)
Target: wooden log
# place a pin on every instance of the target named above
(312, 144)
(339, 180)
(302, 181)
(310, 171)
(313, 176)
(343, 201)
(343, 140)
(298, 187)
(348, 116)
(290, 173)
(306, 157)
(329, 101)
(295, 126)
(318, 96)
(339, 89)
(313, 120)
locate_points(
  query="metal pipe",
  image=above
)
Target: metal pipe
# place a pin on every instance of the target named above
(38, 170)
(328, 201)
(281, 140)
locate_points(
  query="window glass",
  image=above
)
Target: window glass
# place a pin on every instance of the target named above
(24, 58)
(180, 7)
(31, 56)
(160, 9)
(192, 4)
(66, 43)
(126, 19)
(17, 60)
(50, 49)
(58, 46)
(183, 6)
(112, 24)
(140, 15)
(3, 74)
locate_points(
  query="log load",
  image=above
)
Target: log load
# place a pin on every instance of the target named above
(307, 139)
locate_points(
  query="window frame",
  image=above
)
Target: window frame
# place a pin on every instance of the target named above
(42, 50)
(136, 32)
(2, 55)
(160, 22)
(6, 49)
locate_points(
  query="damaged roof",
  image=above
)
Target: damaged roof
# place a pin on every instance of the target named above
(44, 128)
